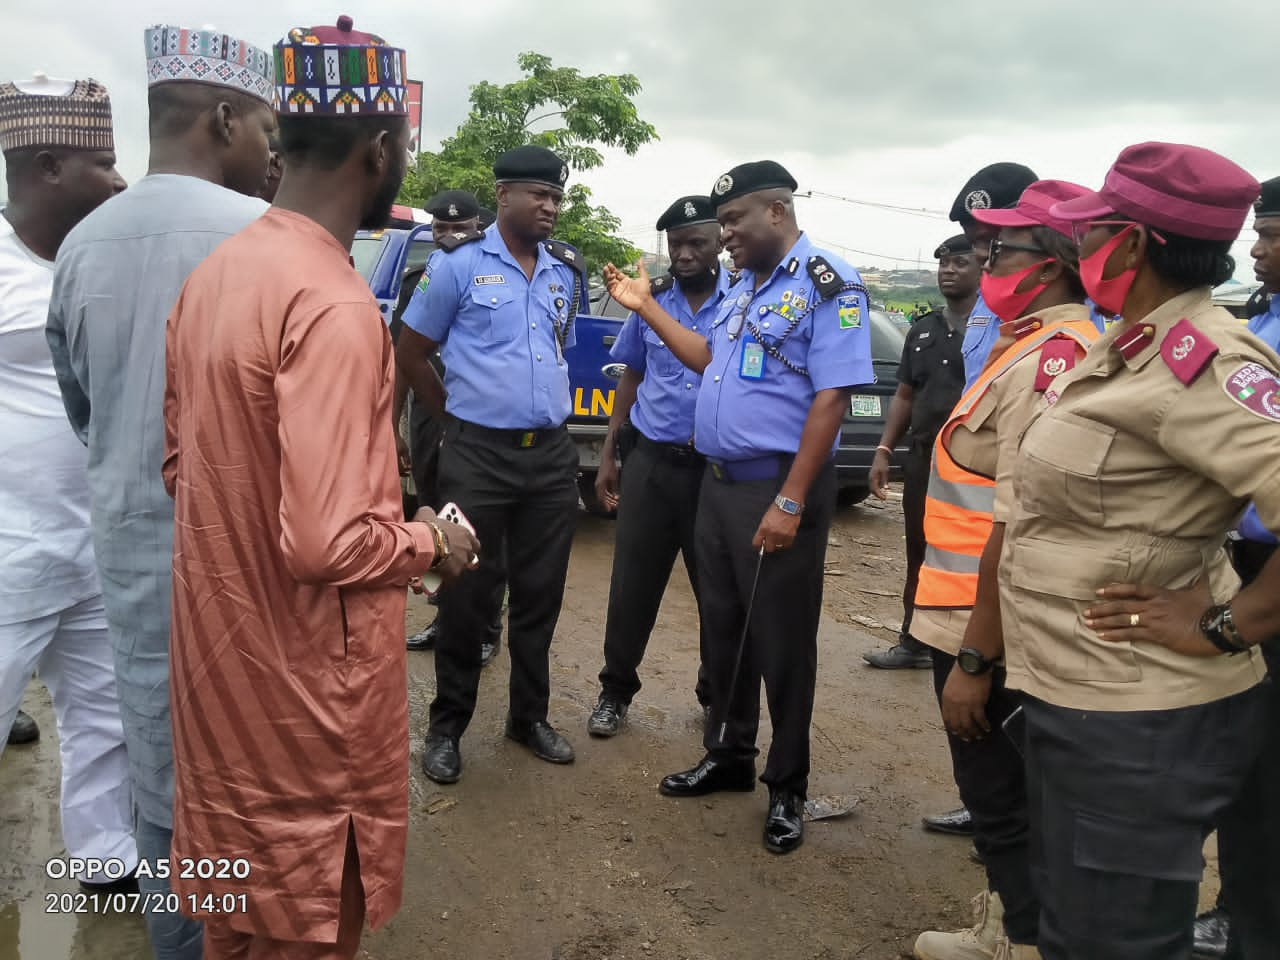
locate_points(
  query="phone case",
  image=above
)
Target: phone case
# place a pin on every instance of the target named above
(449, 512)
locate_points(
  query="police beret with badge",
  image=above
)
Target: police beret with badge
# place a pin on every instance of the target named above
(531, 164)
(953, 247)
(1268, 202)
(994, 187)
(453, 206)
(749, 178)
(686, 212)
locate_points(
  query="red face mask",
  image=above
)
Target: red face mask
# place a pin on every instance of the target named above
(1000, 293)
(1107, 294)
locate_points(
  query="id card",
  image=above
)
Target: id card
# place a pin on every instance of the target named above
(752, 366)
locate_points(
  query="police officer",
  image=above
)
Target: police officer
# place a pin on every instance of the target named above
(994, 187)
(501, 304)
(659, 497)
(785, 350)
(930, 381)
(454, 214)
(1248, 841)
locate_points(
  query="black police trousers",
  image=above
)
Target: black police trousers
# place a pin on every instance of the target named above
(782, 639)
(915, 487)
(992, 781)
(1249, 831)
(657, 507)
(526, 499)
(1121, 803)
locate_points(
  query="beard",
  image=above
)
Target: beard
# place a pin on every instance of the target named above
(378, 214)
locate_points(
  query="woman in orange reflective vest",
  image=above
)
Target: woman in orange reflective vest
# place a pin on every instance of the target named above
(1032, 283)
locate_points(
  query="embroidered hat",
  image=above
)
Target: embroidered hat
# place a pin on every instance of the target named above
(47, 112)
(339, 71)
(176, 54)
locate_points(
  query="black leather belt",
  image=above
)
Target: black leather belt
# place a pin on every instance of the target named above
(520, 439)
(680, 454)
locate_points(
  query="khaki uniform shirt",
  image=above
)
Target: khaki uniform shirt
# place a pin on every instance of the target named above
(987, 444)
(1141, 459)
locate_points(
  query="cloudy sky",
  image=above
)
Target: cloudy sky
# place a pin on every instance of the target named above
(890, 102)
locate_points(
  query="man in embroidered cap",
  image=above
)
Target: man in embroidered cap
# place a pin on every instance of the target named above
(658, 501)
(60, 164)
(291, 562)
(118, 275)
(784, 350)
(502, 304)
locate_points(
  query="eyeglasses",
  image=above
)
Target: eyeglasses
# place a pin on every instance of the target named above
(999, 246)
(1081, 228)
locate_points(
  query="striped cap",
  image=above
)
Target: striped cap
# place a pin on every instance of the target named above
(339, 72)
(47, 112)
(176, 54)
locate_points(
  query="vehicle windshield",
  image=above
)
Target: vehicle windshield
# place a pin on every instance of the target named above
(366, 251)
(887, 339)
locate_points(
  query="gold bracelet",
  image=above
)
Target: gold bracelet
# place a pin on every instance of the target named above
(441, 546)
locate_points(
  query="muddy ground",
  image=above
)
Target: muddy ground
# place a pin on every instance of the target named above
(528, 861)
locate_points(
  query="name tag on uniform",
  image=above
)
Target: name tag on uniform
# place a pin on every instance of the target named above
(979, 321)
(489, 278)
(752, 366)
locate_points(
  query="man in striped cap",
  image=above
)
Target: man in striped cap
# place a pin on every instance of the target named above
(117, 277)
(60, 163)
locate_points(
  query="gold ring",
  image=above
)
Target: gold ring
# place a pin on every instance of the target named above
(1133, 619)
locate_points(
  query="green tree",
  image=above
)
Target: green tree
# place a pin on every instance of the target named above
(554, 107)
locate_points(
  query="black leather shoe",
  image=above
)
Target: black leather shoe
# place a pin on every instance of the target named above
(607, 717)
(784, 826)
(24, 729)
(542, 739)
(710, 776)
(958, 823)
(425, 639)
(899, 657)
(489, 649)
(1211, 930)
(441, 760)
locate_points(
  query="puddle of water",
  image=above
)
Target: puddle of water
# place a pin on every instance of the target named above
(28, 932)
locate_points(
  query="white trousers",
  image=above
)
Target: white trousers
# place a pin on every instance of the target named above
(72, 653)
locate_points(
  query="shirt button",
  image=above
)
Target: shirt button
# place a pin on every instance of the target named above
(764, 311)
(534, 325)
(689, 386)
(717, 379)
(766, 324)
(493, 299)
(944, 363)
(539, 358)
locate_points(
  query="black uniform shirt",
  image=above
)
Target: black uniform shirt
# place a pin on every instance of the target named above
(933, 366)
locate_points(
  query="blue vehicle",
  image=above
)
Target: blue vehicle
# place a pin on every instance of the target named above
(392, 262)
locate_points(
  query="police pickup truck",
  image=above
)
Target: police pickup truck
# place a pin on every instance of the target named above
(392, 261)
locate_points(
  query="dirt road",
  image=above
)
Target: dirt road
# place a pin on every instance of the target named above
(527, 861)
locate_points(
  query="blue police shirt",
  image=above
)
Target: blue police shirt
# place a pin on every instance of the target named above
(668, 394)
(1266, 327)
(1100, 319)
(504, 366)
(980, 335)
(740, 417)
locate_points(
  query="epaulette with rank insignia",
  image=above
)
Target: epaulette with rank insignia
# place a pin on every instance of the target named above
(661, 284)
(1187, 351)
(452, 241)
(826, 280)
(570, 258)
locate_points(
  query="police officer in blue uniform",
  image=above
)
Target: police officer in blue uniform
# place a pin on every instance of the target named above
(501, 305)
(1248, 834)
(658, 501)
(454, 215)
(785, 350)
(997, 186)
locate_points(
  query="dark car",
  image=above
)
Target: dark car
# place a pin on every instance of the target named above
(859, 435)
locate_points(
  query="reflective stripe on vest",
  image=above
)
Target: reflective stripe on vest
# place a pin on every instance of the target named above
(960, 503)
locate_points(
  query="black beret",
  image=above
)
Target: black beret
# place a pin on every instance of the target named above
(487, 218)
(1268, 204)
(750, 177)
(687, 211)
(953, 247)
(453, 206)
(996, 187)
(530, 164)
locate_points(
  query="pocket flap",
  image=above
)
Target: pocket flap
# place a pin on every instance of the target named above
(1043, 566)
(1074, 445)
(492, 295)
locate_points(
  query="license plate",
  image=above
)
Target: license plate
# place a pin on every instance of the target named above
(864, 406)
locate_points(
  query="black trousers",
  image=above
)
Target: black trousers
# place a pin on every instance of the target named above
(782, 640)
(915, 487)
(526, 500)
(1249, 831)
(993, 786)
(1120, 805)
(657, 507)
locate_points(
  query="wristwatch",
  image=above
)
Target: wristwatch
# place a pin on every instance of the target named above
(1220, 630)
(788, 506)
(974, 662)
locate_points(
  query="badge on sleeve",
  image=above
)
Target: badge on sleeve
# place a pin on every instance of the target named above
(752, 366)
(849, 311)
(1256, 389)
(424, 282)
